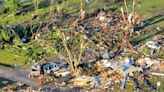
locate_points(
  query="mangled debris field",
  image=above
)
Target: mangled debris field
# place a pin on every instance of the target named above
(96, 59)
(95, 52)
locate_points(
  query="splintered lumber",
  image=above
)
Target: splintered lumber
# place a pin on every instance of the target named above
(157, 74)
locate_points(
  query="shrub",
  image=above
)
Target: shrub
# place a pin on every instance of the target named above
(12, 5)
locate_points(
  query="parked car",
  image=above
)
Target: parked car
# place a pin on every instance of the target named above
(47, 68)
(50, 68)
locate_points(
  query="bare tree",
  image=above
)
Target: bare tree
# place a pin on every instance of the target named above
(82, 12)
(133, 20)
(36, 5)
(52, 3)
(73, 57)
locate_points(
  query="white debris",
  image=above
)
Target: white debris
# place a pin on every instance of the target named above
(149, 61)
(32, 15)
(5, 82)
(159, 29)
(158, 83)
(36, 38)
(38, 35)
(106, 63)
(153, 45)
(105, 55)
(102, 18)
(65, 73)
(23, 1)
(23, 39)
(88, 1)
(82, 80)
(68, 37)
(129, 61)
(130, 18)
(54, 27)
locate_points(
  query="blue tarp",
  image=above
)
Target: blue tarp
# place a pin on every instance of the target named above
(126, 67)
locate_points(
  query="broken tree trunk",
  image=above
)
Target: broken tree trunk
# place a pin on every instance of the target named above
(81, 10)
(125, 42)
(157, 74)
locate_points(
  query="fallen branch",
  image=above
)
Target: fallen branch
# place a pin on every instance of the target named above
(157, 74)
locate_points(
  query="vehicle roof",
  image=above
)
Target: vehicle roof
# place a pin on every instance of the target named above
(48, 65)
(36, 64)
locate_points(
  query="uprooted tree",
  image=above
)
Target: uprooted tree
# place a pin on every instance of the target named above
(36, 5)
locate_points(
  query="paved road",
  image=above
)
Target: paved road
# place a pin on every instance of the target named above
(22, 77)
(18, 76)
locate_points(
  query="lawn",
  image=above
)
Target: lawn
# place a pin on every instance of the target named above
(12, 57)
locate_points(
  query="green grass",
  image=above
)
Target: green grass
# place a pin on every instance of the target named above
(72, 7)
(12, 57)
(145, 5)
(150, 8)
(153, 80)
(151, 13)
(22, 18)
(145, 37)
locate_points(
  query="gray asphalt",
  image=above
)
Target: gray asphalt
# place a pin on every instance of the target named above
(22, 77)
(18, 76)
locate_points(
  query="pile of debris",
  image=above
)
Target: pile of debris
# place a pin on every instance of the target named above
(104, 74)
(104, 28)
(106, 21)
(17, 87)
(99, 67)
